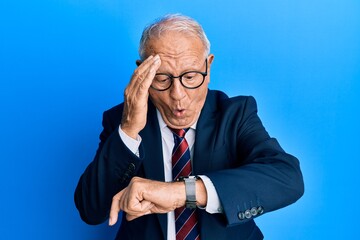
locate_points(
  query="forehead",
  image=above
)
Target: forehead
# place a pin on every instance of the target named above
(175, 44)
(177, 49)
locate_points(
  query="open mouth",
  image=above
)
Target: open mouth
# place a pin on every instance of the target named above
(179, 112)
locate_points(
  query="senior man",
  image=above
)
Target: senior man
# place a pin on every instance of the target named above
(182, 161)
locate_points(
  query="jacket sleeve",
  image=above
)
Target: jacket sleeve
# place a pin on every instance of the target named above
(111, 170)
(262, 176)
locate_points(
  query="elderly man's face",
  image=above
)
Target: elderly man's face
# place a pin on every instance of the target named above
(179, 107)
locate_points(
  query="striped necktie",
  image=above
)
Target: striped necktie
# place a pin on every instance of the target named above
(186, 223)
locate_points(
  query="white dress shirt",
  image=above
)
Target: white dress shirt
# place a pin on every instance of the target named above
(213, 201)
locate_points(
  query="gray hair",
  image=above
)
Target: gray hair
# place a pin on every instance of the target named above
(172, 22)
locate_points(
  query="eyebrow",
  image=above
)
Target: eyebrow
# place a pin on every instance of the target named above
(190, 69)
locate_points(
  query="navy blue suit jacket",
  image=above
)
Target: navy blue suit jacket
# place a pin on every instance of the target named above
(250, 171)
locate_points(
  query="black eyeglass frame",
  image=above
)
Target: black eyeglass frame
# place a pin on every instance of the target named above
(171, 77)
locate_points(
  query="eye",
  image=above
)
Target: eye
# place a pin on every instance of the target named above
(189, 76)
(161, 78)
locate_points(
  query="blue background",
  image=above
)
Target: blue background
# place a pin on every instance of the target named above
(63, 62)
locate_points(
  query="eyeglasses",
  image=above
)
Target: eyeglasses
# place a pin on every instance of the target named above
(189, 80)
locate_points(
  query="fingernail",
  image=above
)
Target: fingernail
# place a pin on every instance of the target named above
(110, 221)
(157, 57)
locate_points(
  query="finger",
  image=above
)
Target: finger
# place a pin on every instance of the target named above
(136, 207)
(140, 62)
(130, 217)
(134, 215)
(146, 70)
(145, 205)
(115, 208)
(140, 209)
(142, 78)
(142, 68)
(150, 74)
(137, 91)
(145, 81)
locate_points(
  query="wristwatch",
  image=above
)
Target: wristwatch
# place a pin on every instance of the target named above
(190, 190)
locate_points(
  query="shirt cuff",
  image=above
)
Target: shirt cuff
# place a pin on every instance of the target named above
(213, 202)
(130, 143)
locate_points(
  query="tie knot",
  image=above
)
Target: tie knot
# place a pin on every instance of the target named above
(179, 132)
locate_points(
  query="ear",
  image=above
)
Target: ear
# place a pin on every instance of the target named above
(210, 61)
(210, 58)
(138, 62)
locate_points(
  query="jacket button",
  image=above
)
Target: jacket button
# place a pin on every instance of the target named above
(248, 214)
(260, 210)
(126, 176)
(241, 215)
(131, 167)
(254, 211)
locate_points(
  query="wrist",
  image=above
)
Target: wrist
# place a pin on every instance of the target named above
(179, 194)
(129, 131)
(195, 191)
(201, 193)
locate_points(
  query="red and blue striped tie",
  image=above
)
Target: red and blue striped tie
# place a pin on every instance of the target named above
(186, 223)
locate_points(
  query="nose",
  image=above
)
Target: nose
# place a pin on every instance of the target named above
(177, 90)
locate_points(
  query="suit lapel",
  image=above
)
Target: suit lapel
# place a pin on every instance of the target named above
(151, 137)
(153, 161)
(204, 139)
